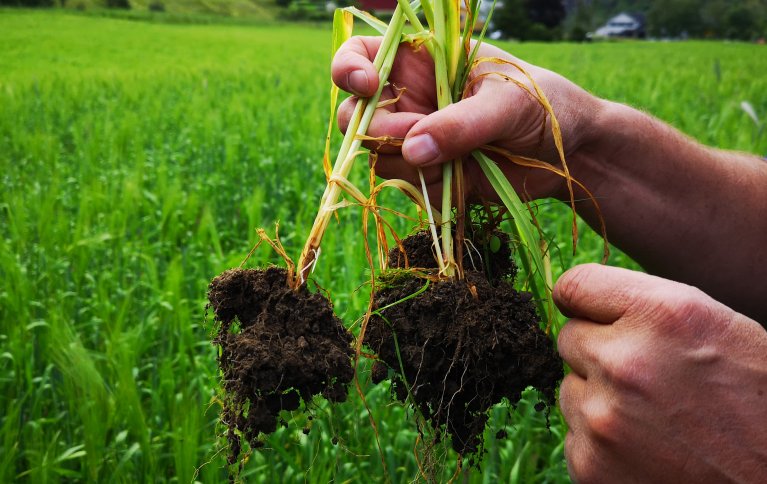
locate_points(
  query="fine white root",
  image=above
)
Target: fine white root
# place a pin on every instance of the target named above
(432, 225)
(471, 245)
(310, 267)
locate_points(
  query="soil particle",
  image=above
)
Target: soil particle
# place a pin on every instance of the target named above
(278, 346)
(379, 372)
(465, 346)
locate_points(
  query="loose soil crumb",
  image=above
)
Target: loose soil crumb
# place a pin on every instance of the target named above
(464, 346)
(277, 347)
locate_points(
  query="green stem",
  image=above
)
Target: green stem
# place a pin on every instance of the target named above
(523, 228)
(409, 12)
(442, 38)
(363, 113)
(432, 225)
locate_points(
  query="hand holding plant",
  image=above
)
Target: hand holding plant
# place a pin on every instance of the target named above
(494, 111)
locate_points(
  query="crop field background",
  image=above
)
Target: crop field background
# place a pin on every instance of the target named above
(136, 162)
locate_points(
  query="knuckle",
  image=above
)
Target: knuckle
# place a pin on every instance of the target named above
(570, 444)
(345, 113)
(449, 135)
(568, 287)
(568, 341)
(443, 132)
(625, 367)
(364, 44)
(565, 337)
(688, 305)
(571, 452)
(340, 67)
(682, 311)
(601, 422)
(580, 465)
(566, 395)
(624, 376)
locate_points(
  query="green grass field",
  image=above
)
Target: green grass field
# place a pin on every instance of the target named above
(137, 160)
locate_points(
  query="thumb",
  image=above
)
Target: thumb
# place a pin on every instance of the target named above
(454, 131)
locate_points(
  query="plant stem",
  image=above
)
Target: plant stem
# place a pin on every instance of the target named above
(363, 113)
(416, 22)
(432, 225)
(443, 39)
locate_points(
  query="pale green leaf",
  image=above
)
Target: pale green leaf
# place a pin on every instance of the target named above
(343, 24)
(377, 24)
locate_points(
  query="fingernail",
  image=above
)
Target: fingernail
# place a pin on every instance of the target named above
(358, 81)
(420, 149)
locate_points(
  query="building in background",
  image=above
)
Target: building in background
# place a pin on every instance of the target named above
(622, 25)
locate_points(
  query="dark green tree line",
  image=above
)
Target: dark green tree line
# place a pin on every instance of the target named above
(742, 19)
(530, 19)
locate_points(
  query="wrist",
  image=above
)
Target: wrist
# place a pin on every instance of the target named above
(602, 137)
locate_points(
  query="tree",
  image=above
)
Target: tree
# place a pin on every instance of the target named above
(712, 15)
(27, 3)
(124, 4)
(743, 20)
(581, 20)
(510, 18)
(676, 17)
(550, 13)
(530, 19)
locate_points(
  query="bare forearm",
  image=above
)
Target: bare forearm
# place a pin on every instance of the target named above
(682, 210)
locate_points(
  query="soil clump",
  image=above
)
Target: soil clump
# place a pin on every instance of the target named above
(488, 252)
(464, 346)
(278, 346)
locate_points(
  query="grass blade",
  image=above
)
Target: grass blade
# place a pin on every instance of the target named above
(343, 24)
(524, 228)
(377, 24)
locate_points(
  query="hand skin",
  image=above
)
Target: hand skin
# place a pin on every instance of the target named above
(667, 385)
(682, 210)
(496, 111)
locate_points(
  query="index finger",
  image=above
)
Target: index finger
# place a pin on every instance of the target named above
(352, 68)
(602, 294)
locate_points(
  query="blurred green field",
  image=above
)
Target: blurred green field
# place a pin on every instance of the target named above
(137, 160)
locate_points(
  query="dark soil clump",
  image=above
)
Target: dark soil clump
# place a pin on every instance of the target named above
(278, 346)
(486, 252)
(464, 347)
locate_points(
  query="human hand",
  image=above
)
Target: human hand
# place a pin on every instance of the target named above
(495, 111)
(667, 384)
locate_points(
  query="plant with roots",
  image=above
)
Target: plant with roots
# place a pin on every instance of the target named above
(401, 291)
(455, 56)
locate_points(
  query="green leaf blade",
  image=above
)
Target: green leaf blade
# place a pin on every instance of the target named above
(524, 228)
